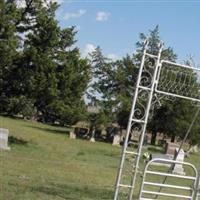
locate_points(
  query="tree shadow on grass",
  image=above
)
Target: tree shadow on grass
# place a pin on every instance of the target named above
(49, 130)
(15, 140)
(75, 192)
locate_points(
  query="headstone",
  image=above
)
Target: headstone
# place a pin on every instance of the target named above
(178, 168)
(4, 139)
(171, 148)
(194, 149)
(116, 140)
(92, 139)
(72, 135)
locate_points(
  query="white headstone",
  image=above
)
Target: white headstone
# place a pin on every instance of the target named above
(116, 140)
(92, 139)
(4, 139)
(72, 135)
(178, 168)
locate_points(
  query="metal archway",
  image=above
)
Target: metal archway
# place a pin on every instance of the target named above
(155, 76)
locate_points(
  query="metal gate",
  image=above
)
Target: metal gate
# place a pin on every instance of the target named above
(156, 77)
(151, 187)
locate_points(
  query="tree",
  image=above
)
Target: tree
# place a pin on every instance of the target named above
(101, 85)
(59, 76)
(12, 96)
(48, 73)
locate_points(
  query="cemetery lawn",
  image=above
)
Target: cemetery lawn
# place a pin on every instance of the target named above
(44, 164)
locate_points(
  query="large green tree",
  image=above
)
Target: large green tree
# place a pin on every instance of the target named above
(12, 98)
(50, 73)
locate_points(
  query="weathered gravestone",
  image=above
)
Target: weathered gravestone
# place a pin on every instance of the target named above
(4, 139)
(116, 140)
(171, 148)
(178, 168)
(72, 135)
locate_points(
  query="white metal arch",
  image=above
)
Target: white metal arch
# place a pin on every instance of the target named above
(149, 77)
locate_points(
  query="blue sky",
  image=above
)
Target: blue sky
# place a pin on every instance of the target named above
(115, 25)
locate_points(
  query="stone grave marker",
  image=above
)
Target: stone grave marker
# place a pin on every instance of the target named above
(178, 168)
(171, 148)
(116, 140)
(4, 139)
(72, 135)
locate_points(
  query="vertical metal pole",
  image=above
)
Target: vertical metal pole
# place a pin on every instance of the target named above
(119, 176)
(196, 193)
(154, 80)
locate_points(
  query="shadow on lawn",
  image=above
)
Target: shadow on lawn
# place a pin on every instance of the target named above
(74, 192)
(49, 130)
(15, 140)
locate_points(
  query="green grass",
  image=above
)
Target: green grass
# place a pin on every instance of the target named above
(44, 164)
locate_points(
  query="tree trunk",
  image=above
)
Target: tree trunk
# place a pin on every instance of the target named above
(153, 137)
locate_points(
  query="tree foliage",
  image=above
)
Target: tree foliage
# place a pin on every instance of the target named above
(115, 82)
(46, 71)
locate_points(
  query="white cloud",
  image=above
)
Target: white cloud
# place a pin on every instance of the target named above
(89, 48)
(102, 16)
(113, 56)
(77, 14)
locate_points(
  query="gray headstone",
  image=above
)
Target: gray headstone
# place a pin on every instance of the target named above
(4, 139)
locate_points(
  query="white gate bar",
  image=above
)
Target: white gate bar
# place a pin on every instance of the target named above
(167, 194)
(171, 175)
(180, 65)
(168, 186)
(126, 186)
(151, 55)
(176, 95)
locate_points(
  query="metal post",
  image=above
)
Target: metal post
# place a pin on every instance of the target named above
(119, 176)
(154, 81)
(197, 194)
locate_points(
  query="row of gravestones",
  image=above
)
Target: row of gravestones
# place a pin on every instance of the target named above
(116, 139)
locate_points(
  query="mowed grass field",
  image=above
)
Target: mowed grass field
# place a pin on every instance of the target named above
(44, 164)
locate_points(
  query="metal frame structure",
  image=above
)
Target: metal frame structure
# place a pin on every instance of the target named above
(143, 99)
